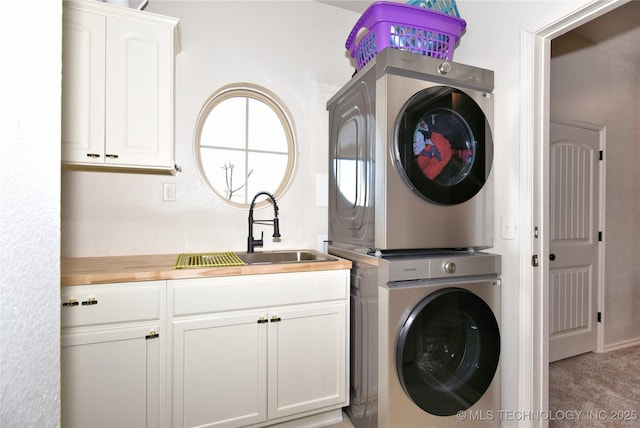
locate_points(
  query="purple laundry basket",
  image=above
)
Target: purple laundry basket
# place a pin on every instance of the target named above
(401, 26)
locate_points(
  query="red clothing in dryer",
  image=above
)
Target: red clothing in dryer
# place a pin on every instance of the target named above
(430, 165)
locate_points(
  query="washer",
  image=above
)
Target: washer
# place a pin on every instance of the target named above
(425, 348)
(410, 155)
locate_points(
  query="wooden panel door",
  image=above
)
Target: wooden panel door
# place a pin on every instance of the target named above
(110, 377)
(139, 85)
(220, 370)
(307, 359)
(83, 97)
(574, 242)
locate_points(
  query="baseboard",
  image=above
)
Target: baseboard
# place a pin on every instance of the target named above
(330, 417)
(622, 344)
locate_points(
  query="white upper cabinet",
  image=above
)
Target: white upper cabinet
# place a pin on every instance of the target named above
(118, 87)
(83, 85)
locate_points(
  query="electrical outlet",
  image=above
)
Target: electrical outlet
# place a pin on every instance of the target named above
(169, 192)
(321, 245)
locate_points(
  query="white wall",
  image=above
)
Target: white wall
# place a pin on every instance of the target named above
(589, 84)
(30, 213)
(291, 48)
(124, 214)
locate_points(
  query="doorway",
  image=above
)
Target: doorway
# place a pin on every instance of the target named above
(537, 57)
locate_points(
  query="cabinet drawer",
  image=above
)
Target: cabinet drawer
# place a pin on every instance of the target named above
(204, 295)
(100, 304)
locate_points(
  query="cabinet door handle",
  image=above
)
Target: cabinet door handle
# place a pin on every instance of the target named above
(275, 318)
(72, 302)
(152, 335)
(90, 301)
(262, 320)
(110, 156)
(93, 155)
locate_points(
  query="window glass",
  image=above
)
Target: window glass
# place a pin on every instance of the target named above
(244, 144)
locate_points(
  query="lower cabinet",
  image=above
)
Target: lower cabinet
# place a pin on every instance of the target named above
(112, 355)
(306, 364)
(223, 384)
(236, 367)
(111, 378)
(237, 351)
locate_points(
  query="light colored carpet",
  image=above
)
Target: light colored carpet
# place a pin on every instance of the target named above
(596, 390)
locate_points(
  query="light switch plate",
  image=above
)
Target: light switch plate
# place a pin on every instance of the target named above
(169, 192)
(508, 227)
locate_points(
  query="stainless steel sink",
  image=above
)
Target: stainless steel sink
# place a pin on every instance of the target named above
(271, 257)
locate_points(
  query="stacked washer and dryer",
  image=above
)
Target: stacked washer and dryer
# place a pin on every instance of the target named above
(411, 205)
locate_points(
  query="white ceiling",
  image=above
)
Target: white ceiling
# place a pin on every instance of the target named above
(617, 31)
(354, 5)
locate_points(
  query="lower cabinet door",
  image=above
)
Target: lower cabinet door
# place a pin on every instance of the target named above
(220, 370)
(111, 378)
(307, 359)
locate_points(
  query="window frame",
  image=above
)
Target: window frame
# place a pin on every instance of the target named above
(255, 92)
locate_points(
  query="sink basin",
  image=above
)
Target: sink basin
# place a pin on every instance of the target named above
(265, 257)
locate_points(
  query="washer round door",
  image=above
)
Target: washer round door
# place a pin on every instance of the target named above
(443, 145)
(447, 351)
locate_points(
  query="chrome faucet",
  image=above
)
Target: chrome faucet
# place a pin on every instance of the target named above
(252, 243)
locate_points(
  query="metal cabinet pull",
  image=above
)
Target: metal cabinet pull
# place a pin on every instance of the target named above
(110, 156)
(90, 301)
(72, 302)
(275, 318)
(152, 335)
(93, 155)
(262, 320)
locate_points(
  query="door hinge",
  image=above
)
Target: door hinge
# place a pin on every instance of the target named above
(601, 154)
(599, 316)
(152, 335)
(534, 260)
(600, 235)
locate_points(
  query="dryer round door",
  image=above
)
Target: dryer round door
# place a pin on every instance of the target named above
(447, 351)
(443, 146)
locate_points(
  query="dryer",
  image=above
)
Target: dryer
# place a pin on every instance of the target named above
(410, 155)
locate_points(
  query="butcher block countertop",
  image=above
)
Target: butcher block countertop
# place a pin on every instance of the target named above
(105, 270)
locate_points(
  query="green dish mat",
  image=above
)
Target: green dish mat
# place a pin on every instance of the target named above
(197, 260)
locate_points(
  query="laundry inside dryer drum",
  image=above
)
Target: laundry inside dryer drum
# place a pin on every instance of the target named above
(443, 145)
(448, 351)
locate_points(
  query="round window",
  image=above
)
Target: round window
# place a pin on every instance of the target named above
(244, 144)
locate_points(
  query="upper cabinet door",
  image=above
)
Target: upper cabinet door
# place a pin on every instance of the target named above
(83, 96)
(139, 84)
(118, 87)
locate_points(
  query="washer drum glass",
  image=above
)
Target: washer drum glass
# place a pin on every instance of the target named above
(443, 147)
(448, 351)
